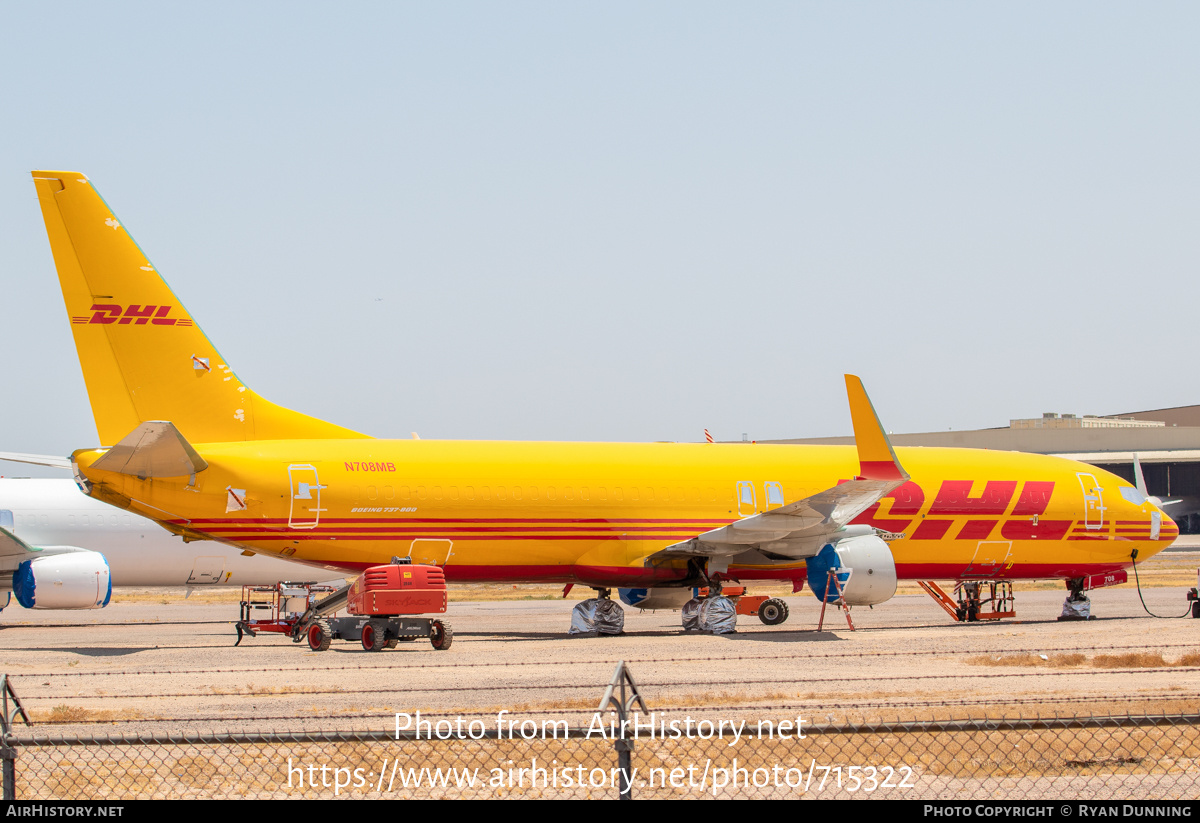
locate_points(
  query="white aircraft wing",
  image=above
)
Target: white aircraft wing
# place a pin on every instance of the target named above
(794, 531)
(37, 459)
(801, 528)
(11, 545)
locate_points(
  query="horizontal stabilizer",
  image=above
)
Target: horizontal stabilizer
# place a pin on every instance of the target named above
(154, 449)
(37, 459)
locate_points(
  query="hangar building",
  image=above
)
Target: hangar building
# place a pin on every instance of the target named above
(1166, 441)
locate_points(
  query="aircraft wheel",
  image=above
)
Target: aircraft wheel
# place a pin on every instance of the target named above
(319, 636)
(374, 635)
(773, 612)
(441, 635)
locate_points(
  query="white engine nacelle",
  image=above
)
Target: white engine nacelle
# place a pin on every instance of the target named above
(865, 568)
(668, 599)
(72, 580)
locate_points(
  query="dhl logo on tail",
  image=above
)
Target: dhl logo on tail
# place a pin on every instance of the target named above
(108, 313)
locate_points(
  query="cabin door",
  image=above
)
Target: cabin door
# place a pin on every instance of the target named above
(306, 489)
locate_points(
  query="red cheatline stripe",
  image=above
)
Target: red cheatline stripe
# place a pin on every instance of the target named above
(1133, 522)
(1088, 538)
(669, 521)
(305, 535)
(450, 528)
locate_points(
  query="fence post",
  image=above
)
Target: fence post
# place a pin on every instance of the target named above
(623, 681)
(8, 752)
(8, 764)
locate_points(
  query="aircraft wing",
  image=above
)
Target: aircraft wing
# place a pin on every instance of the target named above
(801, 528)
(11, 545)
(37, 459)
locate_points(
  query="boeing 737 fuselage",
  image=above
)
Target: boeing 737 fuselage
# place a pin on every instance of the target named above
(193, 448)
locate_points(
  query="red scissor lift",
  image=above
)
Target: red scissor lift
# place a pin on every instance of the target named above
(381, 605)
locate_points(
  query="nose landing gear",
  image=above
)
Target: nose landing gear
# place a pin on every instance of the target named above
(1077, 606)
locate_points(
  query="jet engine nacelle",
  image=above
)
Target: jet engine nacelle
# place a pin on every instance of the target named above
(669, 599)
(865, 568)
(72, 580)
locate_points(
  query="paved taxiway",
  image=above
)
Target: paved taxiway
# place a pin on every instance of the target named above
(145, 665)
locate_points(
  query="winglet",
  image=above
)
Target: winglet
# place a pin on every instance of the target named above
(876, 458)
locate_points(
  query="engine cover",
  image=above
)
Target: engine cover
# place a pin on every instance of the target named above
(865, 568)
(669, 599)
(74, 580)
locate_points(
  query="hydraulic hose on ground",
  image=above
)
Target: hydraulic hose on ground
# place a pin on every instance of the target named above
(1133, 557)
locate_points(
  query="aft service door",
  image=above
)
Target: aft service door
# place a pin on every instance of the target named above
(306, 496)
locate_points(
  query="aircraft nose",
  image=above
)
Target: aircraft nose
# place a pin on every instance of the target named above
(1169, 530)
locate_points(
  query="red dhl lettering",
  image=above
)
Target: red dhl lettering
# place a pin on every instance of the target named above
(954, 498)
(908, 499)
(1035, 497)
(106, 313)
(976, 530)
(368, 466)
(1027, 530)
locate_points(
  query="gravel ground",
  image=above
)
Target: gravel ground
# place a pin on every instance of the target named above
(153, 662)
(134, 663)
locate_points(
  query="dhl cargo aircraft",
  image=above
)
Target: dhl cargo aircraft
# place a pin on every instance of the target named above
(190, 446)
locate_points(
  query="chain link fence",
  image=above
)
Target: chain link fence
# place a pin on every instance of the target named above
(712, 754)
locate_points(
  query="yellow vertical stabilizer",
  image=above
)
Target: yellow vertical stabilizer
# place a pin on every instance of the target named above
(143, 357)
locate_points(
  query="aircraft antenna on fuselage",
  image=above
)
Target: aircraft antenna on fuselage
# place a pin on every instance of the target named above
(142, 355)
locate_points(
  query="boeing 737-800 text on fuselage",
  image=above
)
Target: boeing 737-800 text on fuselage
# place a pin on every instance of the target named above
(190, 446)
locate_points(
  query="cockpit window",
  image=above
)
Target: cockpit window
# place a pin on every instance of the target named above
(1133, 495)
(6, 519)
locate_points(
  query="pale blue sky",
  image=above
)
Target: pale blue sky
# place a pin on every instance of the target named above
(624, 221)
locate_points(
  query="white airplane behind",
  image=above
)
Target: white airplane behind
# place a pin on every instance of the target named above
(60, 549)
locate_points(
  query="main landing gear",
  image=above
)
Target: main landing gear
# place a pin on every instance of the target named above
(716, 608)
(597, 615)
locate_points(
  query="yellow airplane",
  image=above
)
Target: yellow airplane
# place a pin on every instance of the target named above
(193, 448)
